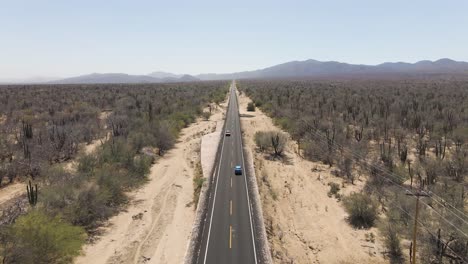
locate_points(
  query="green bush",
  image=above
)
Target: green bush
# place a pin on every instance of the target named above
(112, 183)
(251, 107)
(334, 189)
(86, 164)
(58, 197)
(198, 181)
(89, 207)
(206, 116)
(271, 140)
(139, 140)
(38, 238)
(116, 151)
(183, 119)
(362, 210)
(284, 123)
(400, 174)
(141, 167)
(392, 244)
(262, 140)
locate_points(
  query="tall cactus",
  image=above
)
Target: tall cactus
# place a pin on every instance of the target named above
(27, 130)
(32, 193)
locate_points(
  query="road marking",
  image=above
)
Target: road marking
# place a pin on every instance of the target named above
(230, 236)
(231, 181)
(214, 200)
(214, 174)
(247, 189)
(230, 208)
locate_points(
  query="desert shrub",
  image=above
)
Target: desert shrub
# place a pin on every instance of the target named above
(141, 166)
(284, 123)
(392, 244)
(115, 151)
(86, 164)
(362, 210)
(258, 103)
(334, 189)
(183, 118)
(206, 116)
(398, 207)
(89, 207)
(278, 142)
(57, 191)
(313, 151)
(262, 140)
(271, 140)
(251, 107)
(56, 175)
(346, 168)
(399, 174)
(164, 138)
(139, 140)
(38, 238)
(112, 183)
(198, 181)
(56, 198)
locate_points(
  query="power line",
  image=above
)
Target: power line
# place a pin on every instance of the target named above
(382, 169)
(443, 203)
(418, 221)
(426, 228)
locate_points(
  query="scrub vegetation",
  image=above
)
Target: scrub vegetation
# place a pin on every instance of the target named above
(44, 126)
(403, 138)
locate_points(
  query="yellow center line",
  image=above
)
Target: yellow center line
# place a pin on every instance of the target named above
(230, 236)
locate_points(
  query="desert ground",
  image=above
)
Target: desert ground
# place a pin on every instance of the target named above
(303, 224)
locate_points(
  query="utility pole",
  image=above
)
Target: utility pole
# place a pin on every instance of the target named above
(418, 194)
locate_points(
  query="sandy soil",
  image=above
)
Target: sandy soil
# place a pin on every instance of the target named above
(303, 224)
(11, 191)
(209, 146)
(89, 148)
(156, 226)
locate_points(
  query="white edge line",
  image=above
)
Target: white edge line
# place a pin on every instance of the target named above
(216, 190)
(246, 188)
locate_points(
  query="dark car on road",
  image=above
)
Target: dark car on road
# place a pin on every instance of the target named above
(238, 170)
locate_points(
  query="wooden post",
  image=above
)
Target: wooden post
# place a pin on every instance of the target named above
(411, 253)
(415, 228)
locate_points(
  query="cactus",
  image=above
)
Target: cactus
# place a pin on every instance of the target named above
(358, 134)
(27, 130)
(32, 193)
(150, 111)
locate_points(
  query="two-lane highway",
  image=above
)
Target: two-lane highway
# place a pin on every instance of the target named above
(228, 235)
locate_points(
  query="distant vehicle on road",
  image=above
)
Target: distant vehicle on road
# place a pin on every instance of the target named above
(238, 170)
(228, 133)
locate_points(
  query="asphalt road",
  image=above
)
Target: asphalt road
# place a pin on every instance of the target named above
(228, 235)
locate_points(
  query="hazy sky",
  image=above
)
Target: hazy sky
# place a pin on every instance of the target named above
(65, 38)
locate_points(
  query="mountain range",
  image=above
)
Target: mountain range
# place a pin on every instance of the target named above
(294, 69)
(126, 78)
(317, 69)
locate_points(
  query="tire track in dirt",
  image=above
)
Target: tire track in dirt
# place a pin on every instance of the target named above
(160, 220)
